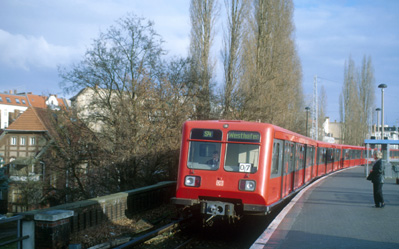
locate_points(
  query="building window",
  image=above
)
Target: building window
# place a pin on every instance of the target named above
(1, 99)
(8, 99)
(32, 141)
(23, 141)
(17, 100)
(23, 101)
(13, 141)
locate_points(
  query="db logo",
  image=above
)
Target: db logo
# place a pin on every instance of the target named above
(219, 183)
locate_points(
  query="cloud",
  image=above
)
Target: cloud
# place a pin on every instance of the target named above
(27, 52)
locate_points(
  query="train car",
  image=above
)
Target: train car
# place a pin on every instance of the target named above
(353, 155)
(229, 169)
(327, 158)
(394, 154)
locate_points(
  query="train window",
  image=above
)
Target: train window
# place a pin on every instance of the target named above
(329, 156)
(309, 156)
(204, 155)
(292, 157)
(347, 157)
(321, 155)
(289, 157)
(277, 158)
(300, 153)
(337, 154)
(242, 158)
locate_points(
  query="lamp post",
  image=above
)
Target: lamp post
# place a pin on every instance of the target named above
(382, 86)
(378, 121)
(307, 114)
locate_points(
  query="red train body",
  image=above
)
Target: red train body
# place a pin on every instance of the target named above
(259, 166)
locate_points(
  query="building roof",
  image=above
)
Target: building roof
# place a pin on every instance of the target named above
(28, 121)
(374, 141)
(11, 99)
(29, 99)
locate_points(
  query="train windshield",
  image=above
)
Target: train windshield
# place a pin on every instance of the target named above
(205, 154)
(244, 156)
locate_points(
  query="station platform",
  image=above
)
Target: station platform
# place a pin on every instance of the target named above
(336, 211)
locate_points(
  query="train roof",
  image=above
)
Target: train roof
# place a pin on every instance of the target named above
(280, 132)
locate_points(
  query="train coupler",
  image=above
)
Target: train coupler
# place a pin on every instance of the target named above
(217, 208)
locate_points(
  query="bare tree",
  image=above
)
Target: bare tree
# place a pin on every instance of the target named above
(351, 103)
(271, 85)
(135, 101)
(203, 16)
(367, 96)
(236, 11)
(322, 111)
(73, 159)
(357, 101)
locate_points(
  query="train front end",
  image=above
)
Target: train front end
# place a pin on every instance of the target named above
(222, 169)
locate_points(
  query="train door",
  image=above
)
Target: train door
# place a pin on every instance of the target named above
(296, 167)
(309, 163)
(337, 159)
(305, 166)
(325, 160)
(299, 167)
(288, 175)
(275, 172)
(321, 161)
(329, 160)
(341, 157)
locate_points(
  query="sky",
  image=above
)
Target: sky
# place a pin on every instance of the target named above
(38, 36)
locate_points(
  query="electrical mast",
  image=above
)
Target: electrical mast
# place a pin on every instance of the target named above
(315, 105)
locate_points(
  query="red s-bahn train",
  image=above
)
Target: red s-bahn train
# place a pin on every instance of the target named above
(229, 169)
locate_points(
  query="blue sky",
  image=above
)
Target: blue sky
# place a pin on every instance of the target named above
(37, 36)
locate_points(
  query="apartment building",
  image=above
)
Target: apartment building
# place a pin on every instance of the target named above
(12, 104)
(24, 135)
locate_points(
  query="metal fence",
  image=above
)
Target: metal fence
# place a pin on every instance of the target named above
(7, 233)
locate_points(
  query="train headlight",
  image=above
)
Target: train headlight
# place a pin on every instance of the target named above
(192, 181)
(247, 185)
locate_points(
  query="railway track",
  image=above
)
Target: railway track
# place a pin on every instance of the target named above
(145, 237)
(173, 227)
(189, 233)
(184, 234)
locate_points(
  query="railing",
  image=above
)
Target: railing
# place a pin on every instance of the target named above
(19, 238)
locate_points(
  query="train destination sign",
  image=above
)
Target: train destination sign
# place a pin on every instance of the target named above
(206, 134)
(243, 136)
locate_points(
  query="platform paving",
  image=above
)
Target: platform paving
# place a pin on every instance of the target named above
(337, 212)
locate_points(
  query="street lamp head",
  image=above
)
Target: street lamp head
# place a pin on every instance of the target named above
(378, 109)
(382, 86)
(307, 108)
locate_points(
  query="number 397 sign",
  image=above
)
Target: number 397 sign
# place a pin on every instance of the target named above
(245, 167)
